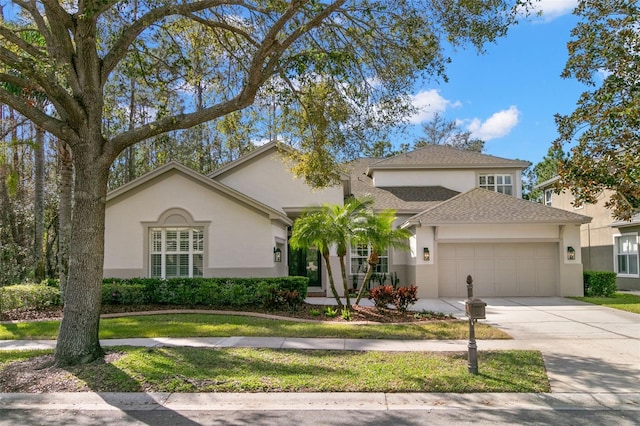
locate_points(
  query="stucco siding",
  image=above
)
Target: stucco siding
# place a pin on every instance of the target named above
(237, 236)
(269, 180)
(458, 180)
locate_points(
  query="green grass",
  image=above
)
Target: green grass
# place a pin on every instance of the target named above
(268, 370)
(211, 325)
(622, 301)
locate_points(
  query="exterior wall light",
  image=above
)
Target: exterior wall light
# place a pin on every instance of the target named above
(571, 253)
(426, 255)
(277, 254)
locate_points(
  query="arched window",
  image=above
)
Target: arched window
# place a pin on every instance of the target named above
(176, 246)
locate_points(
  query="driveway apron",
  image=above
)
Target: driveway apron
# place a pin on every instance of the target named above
(586, 348)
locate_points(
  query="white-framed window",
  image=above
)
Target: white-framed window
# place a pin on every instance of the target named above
(176, 252)
(548, 194)
(359, 255)
(497, 183)
(626, 255)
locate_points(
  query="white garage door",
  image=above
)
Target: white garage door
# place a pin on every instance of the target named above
(498, 269)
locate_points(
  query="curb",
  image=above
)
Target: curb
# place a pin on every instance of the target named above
(319, 401)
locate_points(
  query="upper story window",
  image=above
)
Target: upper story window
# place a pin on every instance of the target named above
(496, 182)
(626, 254)
(359, 255)
(548, 193)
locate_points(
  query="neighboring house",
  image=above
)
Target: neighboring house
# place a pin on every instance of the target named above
(464, 211)
(606, 244)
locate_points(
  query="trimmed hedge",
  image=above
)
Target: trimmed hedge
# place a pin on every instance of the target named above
(213, 292)
(28, 296)
(271, 293)
(599, 283)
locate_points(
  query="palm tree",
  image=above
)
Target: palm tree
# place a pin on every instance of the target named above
(332, 225)
(313, 229)
(378, 231)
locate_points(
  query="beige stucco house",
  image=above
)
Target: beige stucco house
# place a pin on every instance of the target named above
(463, 209)
(606, 244)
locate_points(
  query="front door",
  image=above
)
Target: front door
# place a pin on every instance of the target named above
(305, 263)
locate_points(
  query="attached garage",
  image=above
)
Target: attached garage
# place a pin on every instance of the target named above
(499, 269)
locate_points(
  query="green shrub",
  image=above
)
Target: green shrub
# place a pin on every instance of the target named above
(123, 294)
(278, 292)
(28, 296)
(599, 283)
(345, 313)
(330, 312)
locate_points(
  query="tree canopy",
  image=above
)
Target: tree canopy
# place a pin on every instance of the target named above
(603, 133)
(363, 56)
(439, 131)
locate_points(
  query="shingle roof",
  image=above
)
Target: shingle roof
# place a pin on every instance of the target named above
(441, 156)
(403, 199)
(484, 206)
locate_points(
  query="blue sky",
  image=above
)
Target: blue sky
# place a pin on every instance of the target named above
(508, 96)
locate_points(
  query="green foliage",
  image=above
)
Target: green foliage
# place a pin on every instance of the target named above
(234, 292)
(28, 296)
(330, 312)
(345, 313)
(314, 312)
(123, 294)
(622, 301)
(440, 131)
(599, 283)
(603, 129)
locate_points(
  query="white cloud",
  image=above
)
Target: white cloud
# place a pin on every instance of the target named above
(429, 102)
(496, 126)
(552, 9)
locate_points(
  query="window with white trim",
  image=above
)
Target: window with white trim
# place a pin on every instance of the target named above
(497, 183)
(176, 252)
(548, 194)
(359, 255)
(626, 254)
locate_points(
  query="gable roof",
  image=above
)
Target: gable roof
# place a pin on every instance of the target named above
(442, 156)
(256, 153)
(245, 158)
(403, 199)
(481, 206)
(175, 167)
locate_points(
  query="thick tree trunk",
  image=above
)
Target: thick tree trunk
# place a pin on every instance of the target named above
(65, 190)
(78, 341)
(38, 207)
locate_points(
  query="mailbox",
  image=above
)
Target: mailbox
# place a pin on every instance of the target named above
(475, 308)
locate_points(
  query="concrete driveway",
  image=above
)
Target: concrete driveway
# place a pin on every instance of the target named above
(586, 348)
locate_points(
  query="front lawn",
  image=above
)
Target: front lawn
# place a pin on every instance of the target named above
(176, 369)
(212, 325)
(622, 301)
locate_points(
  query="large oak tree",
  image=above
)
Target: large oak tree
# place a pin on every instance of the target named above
(603, 133)
(367, 53)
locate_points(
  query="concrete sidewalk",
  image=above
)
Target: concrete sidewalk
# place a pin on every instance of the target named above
(375, 401)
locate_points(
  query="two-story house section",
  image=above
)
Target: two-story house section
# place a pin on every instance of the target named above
(606, 244)
(467, 217)
(464, 211)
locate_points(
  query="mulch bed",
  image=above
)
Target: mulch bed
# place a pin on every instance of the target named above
(305, 311)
